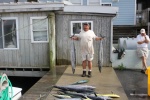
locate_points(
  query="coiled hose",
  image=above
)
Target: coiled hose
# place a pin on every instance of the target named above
(6, 91)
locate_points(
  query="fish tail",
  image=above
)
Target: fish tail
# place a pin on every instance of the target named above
(73, 70)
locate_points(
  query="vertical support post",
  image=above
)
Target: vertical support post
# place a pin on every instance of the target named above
(52, 43)
(148, 72)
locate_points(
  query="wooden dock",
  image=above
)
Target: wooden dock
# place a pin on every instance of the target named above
(105, 82)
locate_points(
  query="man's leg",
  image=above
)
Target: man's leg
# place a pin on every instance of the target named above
(144, 63)
(84, 68)
(90, 65)
(90, 68)
(84, 64)
(90, 58)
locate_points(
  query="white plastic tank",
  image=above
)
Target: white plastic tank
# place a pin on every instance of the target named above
(121, 42)
(130, 44)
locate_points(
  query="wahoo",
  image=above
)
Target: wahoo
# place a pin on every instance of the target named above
(76, 88)
(73, 56)
(100, 54)
(73, 99)
(88, 96)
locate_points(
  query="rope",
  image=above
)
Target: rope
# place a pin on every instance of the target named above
(4, 93)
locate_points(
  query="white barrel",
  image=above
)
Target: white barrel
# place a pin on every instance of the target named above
(130, 44)
(121, 42)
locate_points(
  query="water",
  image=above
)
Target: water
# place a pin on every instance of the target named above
(23, 82)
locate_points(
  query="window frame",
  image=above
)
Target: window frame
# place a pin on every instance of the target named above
(71, 24)
(10, 18)
(31, 30)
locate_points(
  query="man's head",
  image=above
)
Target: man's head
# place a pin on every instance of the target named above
(142, 31)
(86, 26)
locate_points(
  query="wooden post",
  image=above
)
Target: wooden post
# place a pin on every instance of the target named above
(52, 45)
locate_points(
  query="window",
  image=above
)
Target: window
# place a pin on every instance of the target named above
(39, 29)
(77, 26)
(85, 2)
(8, 33)
(106, 4)
(139, 7)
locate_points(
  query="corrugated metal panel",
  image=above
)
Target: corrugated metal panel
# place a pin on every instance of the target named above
(127, 12)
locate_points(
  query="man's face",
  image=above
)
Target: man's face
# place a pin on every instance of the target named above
(86, 27)
(143, 34)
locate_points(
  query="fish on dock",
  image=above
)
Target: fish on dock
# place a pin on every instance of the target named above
(61, 96)
(80, 82)
(76, 88)
(73, 99)
(109, 95)
(88, 96)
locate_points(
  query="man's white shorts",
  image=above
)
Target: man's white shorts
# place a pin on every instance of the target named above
(88, 57)
(142, 52)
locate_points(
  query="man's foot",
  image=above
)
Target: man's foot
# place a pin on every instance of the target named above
(143, 71)
(84, 74)
(89, 74)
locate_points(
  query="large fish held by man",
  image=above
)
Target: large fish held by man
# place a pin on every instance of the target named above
(73, 55)
(100, 54)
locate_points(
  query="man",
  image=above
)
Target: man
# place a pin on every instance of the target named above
(142, 48)
(86, 42)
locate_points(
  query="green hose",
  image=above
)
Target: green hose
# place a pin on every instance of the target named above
(4, 94)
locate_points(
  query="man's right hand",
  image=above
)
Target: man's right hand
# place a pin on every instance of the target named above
(74, 38)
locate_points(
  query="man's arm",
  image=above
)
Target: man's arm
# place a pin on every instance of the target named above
(98, 38)
(147, 39)
(141, 42)
(74, 38)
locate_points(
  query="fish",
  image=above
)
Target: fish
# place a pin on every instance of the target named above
(109, 95)
(139, 95)
(80, 87)
(80, 82)
(99, 97)
(100, 56)
(76, 88)
(73, 56)
(88, 96)
(61, 96)
(72, 99)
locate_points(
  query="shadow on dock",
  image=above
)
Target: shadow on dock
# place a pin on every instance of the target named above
(42, 88)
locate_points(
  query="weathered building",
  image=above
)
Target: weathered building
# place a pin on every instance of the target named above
(36, 35)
